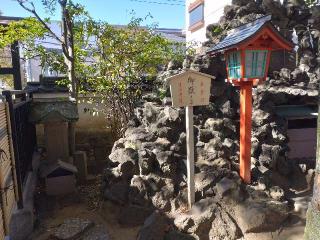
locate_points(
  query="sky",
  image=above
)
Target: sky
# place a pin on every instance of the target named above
(166, 13)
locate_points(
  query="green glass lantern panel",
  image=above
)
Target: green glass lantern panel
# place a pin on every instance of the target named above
(234, 65)
(256, 63)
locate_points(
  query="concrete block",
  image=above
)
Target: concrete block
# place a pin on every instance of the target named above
(57, 142)
(28, 191)
(21, 224)
(60, 185)
(22, 220)
(80, 161)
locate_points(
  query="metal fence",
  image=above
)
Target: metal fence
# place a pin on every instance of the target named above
(23, 135)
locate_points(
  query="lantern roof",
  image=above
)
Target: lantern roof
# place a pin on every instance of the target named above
(247, 34)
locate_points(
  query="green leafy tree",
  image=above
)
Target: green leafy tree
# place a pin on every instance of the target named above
(114, 63)
(311, 3)
(128, 58)
(5, 61)
(28, 30)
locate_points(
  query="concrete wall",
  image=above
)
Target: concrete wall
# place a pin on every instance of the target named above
(92, 135)
(213, 10)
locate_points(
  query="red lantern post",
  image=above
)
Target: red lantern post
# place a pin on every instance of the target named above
(247, 52)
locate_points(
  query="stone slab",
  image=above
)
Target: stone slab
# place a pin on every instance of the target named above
(97, 233)
(72, 229)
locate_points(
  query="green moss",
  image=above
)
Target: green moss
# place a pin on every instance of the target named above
(217, 30)
(312, 230)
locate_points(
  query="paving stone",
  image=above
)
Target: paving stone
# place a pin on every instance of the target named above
(72, 229)
(97, 233)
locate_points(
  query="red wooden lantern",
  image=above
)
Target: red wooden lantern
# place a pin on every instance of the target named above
(247, 51)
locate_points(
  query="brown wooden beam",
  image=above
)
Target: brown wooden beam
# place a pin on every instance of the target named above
(15, 52)
(6, 71)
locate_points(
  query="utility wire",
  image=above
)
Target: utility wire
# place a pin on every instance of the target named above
(160, 3)
(175, 1)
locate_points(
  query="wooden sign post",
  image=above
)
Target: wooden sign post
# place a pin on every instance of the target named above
(190, 88)
(190, 155)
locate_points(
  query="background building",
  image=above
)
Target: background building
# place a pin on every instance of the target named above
(199, 14)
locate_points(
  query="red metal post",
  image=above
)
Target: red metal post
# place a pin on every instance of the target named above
(245, 130)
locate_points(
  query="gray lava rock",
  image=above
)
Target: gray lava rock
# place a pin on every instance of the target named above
(139, 134)
(276, 193)
(122, 155)
(214, 124)
(241, 2)
(227, 110)
(172, 114)
(150, 113)
(155, 227)
(260, 117)
(213, 145)
(225, 186)
(162, 144)
(166, 162)
(205, 135)
(198, 220)
(167, 101)
(147, 162)
(161, 202)
(285, 73)
(175, 235)
(204, 181)
(133, 216)
(260, 216)
(127, 169)
(224, 227)
(221, 163)
(139, 190)
(118, 144)
(117, 192)
(230, 11)
(283, 166)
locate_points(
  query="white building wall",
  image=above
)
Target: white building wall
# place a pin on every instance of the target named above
(33, 70)
(213, 10)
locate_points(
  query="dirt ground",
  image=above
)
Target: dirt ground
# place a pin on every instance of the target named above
(85, 204)
(88, 204)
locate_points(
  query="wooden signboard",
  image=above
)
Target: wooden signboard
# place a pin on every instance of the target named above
(190, 88)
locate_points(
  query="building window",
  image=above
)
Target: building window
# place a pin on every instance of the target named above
(196, 15)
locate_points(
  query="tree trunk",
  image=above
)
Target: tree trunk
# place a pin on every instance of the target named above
(68, 39)
(312, 229)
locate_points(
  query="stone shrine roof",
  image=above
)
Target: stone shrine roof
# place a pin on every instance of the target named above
(53, 111)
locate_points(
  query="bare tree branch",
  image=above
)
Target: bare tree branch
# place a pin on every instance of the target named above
(45, 25)
(34, 12)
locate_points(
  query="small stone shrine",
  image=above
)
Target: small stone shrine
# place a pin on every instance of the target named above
(53, 108)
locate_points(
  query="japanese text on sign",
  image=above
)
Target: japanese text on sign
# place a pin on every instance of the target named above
(190, 91)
